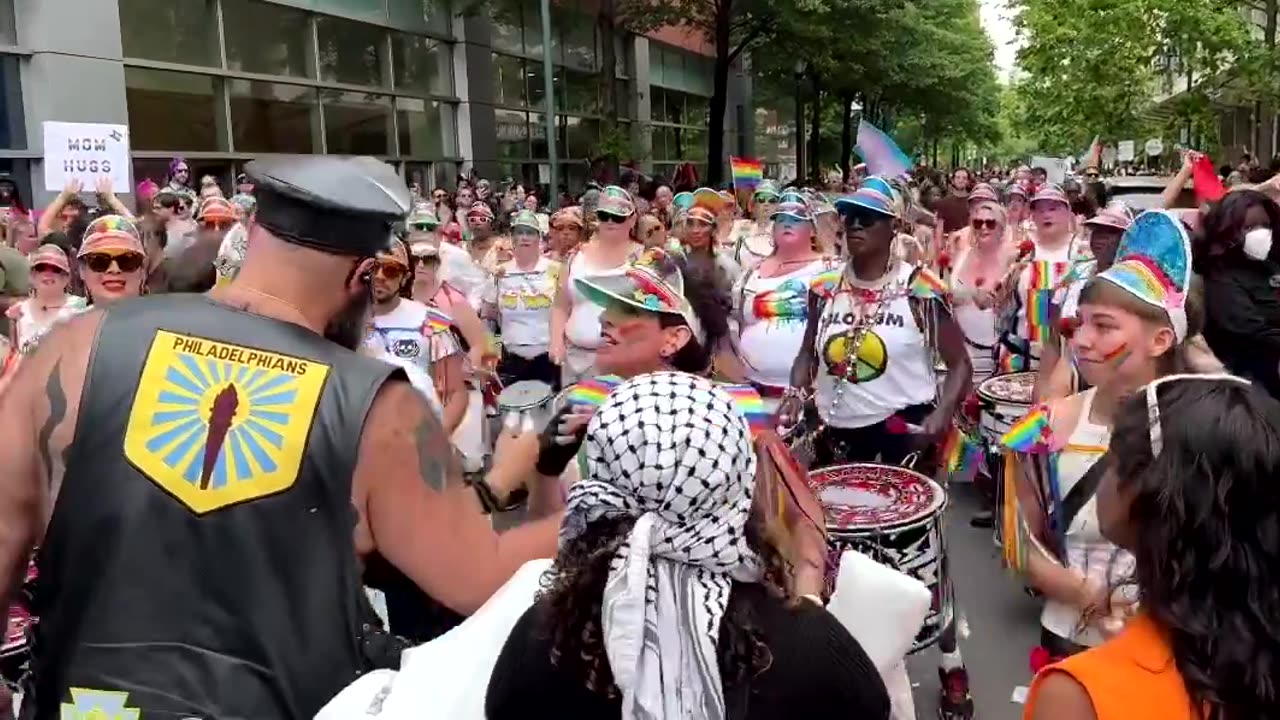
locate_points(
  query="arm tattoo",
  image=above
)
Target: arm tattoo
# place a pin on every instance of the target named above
(57, 398)
(437, 462)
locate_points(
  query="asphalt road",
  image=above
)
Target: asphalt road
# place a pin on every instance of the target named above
(1003, 621)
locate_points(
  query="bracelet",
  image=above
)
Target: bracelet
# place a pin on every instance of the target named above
(797, 393)
(490, 501)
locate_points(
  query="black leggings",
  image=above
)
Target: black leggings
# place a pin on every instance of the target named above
(838, 446)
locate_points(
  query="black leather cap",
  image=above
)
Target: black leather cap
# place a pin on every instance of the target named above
(339, 205)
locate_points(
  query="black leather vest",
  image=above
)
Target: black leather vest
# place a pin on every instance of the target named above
(200, 561)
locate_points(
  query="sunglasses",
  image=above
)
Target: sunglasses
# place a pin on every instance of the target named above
(392, 270)
(427, 258)
(983, 224)
(863, 219)
(766, 199)
(45, 267)
(127, 262)
(216, 224)
(605, 217)
(423, 227)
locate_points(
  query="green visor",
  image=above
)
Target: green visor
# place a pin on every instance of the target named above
(640, 286)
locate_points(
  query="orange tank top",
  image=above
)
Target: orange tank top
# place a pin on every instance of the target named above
(1130, 677)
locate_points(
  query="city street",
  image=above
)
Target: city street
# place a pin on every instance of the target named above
(1003, 621)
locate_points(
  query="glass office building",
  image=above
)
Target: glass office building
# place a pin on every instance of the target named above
(420, 83)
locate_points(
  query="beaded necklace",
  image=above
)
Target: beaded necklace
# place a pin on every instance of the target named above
(870, 303)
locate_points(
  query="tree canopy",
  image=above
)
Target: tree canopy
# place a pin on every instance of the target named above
(1099, 67)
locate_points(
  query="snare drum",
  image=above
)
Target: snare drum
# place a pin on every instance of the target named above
(1005, 399)
(525, 406)
(894, 516)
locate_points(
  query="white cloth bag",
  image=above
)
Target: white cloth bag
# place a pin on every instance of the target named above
(883, 610)
(447, 678)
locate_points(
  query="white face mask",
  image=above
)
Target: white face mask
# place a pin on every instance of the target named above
(1257, 243)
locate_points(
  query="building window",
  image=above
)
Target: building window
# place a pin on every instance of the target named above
(512, 130)
(350, 52)
(508, 81)
(428, 15)
(505, 32)
(273, 117)
(175, 31)
(356, 123)
(371, 10)
(421, 65)
(171, 111)
(265, 38)
(426, 128)
(13, 133)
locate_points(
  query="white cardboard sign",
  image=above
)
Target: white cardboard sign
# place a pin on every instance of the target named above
(87, 151)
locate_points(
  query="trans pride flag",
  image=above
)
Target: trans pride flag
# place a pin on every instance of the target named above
(881, 154)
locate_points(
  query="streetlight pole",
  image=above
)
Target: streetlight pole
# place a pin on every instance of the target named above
(549, 92)
(800, 68)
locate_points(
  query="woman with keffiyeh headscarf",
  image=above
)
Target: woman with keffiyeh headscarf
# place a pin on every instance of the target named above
(667, 600)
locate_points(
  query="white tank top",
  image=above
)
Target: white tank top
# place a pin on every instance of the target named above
(977, 324)
(893, 367)
(1087, 550)
(774, 311)
(524, 299)
(583, 328)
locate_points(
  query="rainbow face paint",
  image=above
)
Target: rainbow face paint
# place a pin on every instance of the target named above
(1116, 357)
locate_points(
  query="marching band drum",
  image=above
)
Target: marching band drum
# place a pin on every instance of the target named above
(894, 516)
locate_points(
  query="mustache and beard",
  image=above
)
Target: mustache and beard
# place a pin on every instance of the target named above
(348, 327)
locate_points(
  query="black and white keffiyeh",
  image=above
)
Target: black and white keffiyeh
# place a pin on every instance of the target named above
(672, 451)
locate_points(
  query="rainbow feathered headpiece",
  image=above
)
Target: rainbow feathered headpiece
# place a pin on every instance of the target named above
(1153, 263)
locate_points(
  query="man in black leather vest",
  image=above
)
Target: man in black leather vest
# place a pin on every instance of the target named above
(205, 473)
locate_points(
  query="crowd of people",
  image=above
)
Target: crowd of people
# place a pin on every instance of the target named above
(291, 461)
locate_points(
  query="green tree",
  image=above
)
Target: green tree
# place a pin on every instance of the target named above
(1094, 67)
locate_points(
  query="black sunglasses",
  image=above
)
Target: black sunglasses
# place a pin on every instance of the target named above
(860, 218)
(605, 217)
(979, 224)
(101, 262)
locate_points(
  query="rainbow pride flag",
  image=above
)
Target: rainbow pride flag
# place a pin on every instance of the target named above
(437, 321)
(925, 284)
(752, 407)
(962, 454)
(747, 173)
(1029, 434)
(594, 391)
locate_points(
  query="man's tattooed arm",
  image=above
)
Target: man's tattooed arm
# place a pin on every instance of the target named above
(57, 399)
(438, 460)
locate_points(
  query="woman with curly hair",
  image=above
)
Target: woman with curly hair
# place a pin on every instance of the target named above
(1198, 506)
(666, 600)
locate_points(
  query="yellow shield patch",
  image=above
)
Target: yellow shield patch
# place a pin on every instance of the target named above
(87, 704)
(215, 424)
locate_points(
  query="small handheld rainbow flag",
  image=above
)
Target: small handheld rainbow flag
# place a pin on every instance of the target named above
(962, 454)
(593, 391)
(925, 284)
(437, 321)
(1029, 434)
(751, 405)
(747, 173)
